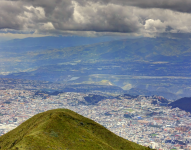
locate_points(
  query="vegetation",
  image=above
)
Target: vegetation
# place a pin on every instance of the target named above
(153, 134)
(63, 129)
(129, 110)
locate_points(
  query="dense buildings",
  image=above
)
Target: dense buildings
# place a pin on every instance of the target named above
(133, 118)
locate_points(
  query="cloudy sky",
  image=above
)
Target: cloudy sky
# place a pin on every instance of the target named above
(22, 18)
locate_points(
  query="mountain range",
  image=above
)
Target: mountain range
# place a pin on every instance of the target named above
(152, 64)
(84, 49)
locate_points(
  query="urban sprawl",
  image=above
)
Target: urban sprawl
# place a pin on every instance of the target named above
(133, 118)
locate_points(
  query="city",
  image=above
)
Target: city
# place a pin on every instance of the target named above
(133, 118)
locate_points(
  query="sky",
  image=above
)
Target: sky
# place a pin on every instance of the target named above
(149, 18)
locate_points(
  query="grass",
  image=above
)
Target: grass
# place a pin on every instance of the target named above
(153, 134)
(63, 129)
(129, 110)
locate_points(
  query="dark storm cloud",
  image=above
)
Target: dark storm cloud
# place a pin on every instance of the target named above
(67, 15)
(60, 8)
(176, 5)
(101, 19)
(8, 15)
(123, 16)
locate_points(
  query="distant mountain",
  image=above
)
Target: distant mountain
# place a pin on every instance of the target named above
(32, 53)
(92, 87)
(136, 91)
(63, 129)
(154, 64)
(85, 88)
(183, 103)
(51, 42)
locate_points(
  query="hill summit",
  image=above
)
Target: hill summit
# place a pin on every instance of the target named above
(63, 129)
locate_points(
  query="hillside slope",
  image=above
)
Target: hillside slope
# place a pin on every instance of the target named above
(63, 129)
(182, 103)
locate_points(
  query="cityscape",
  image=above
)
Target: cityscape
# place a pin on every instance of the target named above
(134, 118)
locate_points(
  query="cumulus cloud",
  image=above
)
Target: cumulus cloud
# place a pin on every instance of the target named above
(154, 25)
(138, 17)
(164, 20)
(71, 16)
(104, 18)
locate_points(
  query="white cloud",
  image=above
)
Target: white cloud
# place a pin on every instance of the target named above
(154, 25)
(48, 26)
(38, 12)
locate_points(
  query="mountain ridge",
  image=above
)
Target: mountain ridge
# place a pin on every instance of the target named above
(124, 50)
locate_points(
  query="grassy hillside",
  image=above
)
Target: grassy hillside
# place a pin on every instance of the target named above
(63, 129)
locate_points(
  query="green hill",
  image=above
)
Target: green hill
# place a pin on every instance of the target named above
(62, 129)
